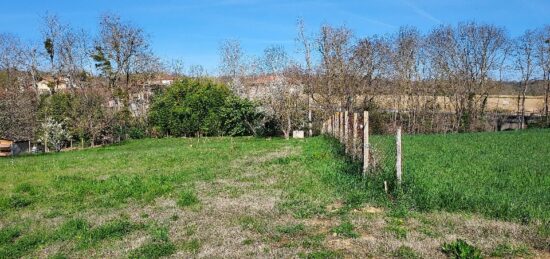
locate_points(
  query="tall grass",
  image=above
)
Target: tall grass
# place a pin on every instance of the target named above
(504, 175)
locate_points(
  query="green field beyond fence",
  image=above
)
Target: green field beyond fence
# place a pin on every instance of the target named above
(503, 175)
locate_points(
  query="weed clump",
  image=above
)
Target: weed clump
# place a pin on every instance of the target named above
(345, 229)
(460, 249)
(188, 198)
(159, 246)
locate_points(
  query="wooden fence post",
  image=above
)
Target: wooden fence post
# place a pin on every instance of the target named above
(332, 125)
(337, 125)
(346, 132)
(354, 142)
(398, 164)
(329, 125)
(335, 122)
(340, 126)
(365, 142)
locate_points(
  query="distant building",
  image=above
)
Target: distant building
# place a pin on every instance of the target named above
(48, 84)
(162, 80)
(13, 148)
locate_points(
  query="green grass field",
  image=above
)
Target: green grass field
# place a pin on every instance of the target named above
(504, 175)
(248, 197)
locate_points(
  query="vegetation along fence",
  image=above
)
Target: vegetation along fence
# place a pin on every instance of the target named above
(352, 131)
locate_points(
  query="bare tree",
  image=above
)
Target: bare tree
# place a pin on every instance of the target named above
(525, 64)
(117, 47)
(284, 94)
(51, 33)
(464, 58)
(304, 41)
(18, 103)
(11, 55)
(232, 65)
(405, 59)
(542, 54)
(334, 46)
(197, 71)
(176, 67)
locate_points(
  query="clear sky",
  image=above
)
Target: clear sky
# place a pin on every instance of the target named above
(192, 30)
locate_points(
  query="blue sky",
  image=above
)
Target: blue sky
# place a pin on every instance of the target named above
(192, 30)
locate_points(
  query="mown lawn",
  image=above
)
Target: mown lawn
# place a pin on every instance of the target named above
(225, 197)
(503, 175)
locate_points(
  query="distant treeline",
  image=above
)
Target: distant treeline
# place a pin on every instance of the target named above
(109, 85)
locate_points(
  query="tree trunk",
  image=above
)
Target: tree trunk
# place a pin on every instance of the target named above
(288, 127)
(524, 90)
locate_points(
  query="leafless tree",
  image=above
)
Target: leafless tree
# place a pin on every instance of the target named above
(405, 59)
(197, 71)
(525, 64)
(335, 48)
(305, 45)
(284, 98)
(464, 57)
(232, 65)
(542, 53)
(18, 102)
(117, 47)
(51, 33)
(176, 67)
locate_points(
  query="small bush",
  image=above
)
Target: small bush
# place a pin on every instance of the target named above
(136, 132)
(188, 198)
(460, 249)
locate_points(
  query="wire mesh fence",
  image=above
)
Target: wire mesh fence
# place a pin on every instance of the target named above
(379, 154)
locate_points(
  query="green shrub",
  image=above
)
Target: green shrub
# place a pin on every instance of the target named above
(136, 132)
(460, 249)
(203, 107)
(240, 117)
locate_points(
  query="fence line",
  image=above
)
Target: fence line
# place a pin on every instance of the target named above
(353, 134)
